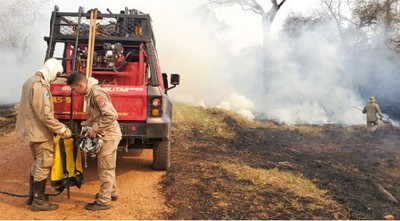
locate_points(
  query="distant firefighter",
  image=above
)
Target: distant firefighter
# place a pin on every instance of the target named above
(373, 115)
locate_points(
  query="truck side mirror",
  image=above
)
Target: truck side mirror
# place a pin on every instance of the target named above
(175, 79)
(165, 80)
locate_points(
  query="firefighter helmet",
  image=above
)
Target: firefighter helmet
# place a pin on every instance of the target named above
(91, 145)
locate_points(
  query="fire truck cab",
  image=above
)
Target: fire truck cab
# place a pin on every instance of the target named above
(119, 50)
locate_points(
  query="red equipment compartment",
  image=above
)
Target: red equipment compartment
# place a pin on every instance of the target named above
(129, 101)
(129, 76)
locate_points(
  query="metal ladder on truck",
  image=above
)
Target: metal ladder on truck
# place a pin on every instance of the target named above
(52, 40)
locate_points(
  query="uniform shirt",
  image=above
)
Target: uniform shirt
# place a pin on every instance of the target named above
(372, 110)
(102, 114)
(35, 118)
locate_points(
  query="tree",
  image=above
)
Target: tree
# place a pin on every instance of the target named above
(357, 22)
(295, 23)
(380, 17)
(375, 18)
(16, 17)
(267, 14)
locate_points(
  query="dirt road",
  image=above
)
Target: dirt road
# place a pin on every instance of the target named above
(138, 184)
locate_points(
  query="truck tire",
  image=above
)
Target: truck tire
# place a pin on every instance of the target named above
(161, 155)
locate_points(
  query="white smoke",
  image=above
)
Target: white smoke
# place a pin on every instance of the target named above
(239, 104)
(308, 81)
(312, 79)
(21, 54)
(315, 78)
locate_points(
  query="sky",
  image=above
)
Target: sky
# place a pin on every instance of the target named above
(307, 81)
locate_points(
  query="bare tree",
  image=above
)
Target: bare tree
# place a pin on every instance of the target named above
(380, 17)
(16, 18)
(267, 14)
(357, 22)
(295, 23)
(334, 10)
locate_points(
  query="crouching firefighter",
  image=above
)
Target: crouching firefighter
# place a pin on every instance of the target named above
(36, 122)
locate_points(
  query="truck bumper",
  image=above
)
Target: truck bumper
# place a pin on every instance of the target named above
(159, 127)
(153, 128)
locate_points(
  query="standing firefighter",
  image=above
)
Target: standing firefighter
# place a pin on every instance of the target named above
(373, 111)
(36, 122)
(101, 123)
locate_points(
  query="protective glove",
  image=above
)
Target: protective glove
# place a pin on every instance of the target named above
(88, 131)
(92, 133)
(67, 134)
(83, 131)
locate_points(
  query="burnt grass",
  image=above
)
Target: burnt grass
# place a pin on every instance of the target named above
(360, 174)
(8, 116)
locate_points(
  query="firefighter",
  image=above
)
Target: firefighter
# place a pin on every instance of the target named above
(102, 120)
(36, 122)
(373, 115)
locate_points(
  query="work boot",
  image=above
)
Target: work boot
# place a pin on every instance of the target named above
(40, 202)
(96, 206)
(30, 193)
(113, 198)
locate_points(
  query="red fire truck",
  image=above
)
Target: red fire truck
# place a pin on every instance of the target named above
(119, 50)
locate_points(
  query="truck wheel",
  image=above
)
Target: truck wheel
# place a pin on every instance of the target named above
(161, 155)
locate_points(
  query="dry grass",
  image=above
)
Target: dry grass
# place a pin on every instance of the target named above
(8, 114)
(275, 180)
(210, 120)
(202, 120)
(237, 118)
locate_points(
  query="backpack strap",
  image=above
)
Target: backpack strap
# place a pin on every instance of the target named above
(65, 179)
(77, 173)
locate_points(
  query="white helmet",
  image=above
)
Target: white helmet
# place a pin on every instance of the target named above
(91, 145)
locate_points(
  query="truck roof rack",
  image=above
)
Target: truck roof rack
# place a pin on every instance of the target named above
(122, 27)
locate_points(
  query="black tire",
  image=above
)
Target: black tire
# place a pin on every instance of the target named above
(161, 155)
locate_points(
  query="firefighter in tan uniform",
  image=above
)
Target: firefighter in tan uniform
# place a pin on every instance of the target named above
(102, 120)
(36, 122)
(373, 111)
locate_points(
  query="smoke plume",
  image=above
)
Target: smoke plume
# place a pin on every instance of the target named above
(314, 78)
